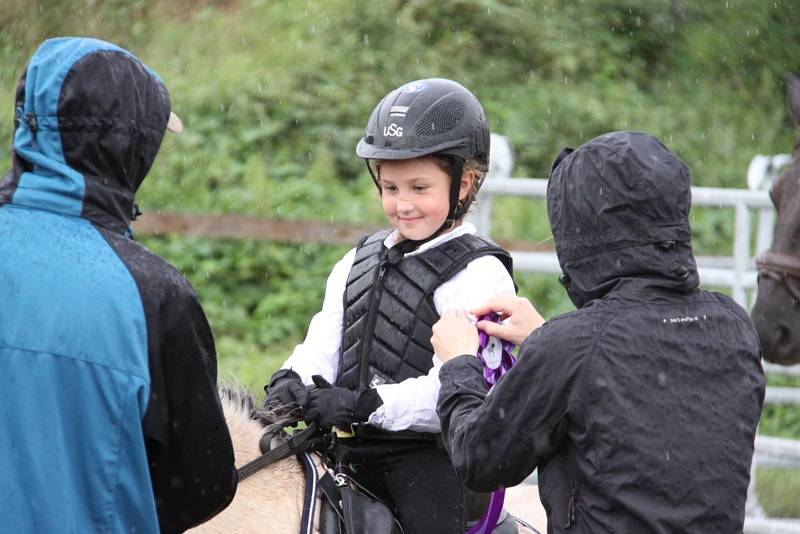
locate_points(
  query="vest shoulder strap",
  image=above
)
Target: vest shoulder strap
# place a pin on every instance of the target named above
(462, 250)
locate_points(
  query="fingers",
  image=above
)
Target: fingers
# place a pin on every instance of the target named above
(320, 382)
(493, 329)
(454, 315)
(512, 332)
(450, 319)
(311, 414)
(454, 335)
(277, 399)
(503, 304)
(299, 393)
(519, 317)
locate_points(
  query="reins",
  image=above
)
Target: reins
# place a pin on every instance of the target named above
(295, 444)
(299, 444)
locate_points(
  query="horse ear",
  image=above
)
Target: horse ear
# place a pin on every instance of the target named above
(793, 97)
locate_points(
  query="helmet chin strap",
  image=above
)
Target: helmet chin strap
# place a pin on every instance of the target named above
(456, 211)
(372, 174)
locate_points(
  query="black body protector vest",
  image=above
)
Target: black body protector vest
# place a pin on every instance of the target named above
(389, 311)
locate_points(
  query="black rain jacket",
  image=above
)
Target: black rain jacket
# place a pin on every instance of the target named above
(639, 408)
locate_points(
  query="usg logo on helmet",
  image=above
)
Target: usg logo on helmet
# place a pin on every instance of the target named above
(393, 130)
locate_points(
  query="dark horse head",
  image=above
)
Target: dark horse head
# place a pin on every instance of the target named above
(776, 313)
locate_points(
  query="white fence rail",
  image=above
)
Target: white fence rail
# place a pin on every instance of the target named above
(736, 272)
(777, 452)
(762, 525)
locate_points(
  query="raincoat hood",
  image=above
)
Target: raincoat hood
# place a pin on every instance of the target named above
(89, 120)
(619, 211)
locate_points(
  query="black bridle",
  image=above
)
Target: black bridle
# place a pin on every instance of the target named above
(782, 267)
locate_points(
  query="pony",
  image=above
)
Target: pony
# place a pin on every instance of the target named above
(776, 312)
(271, 500)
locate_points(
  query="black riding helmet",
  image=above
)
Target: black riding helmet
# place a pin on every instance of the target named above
(434, 116)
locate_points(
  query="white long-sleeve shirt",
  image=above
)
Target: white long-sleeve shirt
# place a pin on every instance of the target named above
(410, 404)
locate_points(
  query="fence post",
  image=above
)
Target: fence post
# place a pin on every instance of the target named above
(481, 214)
(766, 224)
(741, 252)
(501, 163)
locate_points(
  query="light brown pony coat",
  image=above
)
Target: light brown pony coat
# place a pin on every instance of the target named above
(271, 500)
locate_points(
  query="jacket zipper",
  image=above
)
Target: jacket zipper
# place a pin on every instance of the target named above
(573, 496)
(363, 372)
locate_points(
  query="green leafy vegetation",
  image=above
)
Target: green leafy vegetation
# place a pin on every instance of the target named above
(259, 297)
(778, 490)
(274, 95)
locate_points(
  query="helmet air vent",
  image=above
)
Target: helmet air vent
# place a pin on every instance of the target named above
(441, 117)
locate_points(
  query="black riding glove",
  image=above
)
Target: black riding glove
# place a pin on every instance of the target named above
(286, 392)
(340, 407)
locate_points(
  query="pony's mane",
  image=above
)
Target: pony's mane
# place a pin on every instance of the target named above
(240, 398)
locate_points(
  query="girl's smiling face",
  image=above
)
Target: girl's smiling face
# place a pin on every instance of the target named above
(415, 195)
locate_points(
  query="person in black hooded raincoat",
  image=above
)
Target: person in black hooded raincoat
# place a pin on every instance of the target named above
(639, 408)
(109, 415)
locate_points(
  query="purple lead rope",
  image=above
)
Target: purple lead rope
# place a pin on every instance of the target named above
(495, 355)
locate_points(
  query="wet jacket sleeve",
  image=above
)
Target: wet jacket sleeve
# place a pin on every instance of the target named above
(188, 445)
(498, 438)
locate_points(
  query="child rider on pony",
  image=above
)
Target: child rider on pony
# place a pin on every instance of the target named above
(368, 350)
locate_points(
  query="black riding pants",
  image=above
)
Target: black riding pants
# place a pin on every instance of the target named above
(417, 480)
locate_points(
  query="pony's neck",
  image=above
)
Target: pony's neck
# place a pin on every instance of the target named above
(271, 500)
